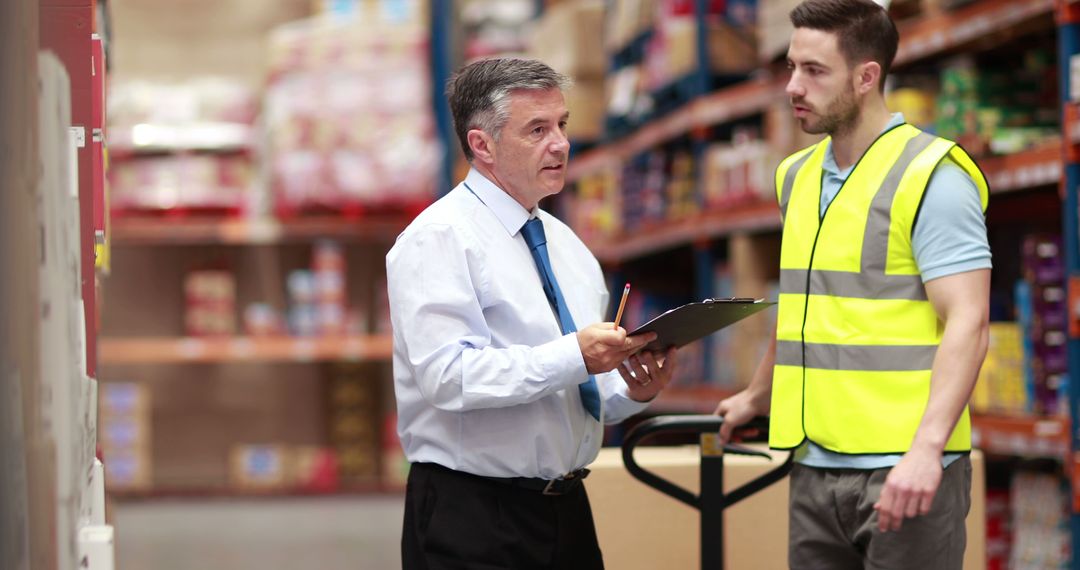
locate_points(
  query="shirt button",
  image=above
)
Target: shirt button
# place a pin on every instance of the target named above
(588, 438)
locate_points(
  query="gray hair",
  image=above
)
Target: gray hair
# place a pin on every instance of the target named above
(479, 93)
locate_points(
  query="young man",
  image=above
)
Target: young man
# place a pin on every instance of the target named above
(882, 319)
(501, 398)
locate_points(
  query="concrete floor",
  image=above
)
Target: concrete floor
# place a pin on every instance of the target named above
(327, 533)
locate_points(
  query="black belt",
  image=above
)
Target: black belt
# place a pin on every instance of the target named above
(553, 487)
(560, 486)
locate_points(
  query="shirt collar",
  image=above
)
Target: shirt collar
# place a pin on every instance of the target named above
(829, 165)
(510, 214)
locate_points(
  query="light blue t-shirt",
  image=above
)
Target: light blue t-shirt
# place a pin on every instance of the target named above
(949, 238)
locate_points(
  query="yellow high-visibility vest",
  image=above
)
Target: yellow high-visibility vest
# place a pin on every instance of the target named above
(856, 335)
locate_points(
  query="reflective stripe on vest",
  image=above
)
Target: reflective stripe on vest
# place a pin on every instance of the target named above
(856, 335)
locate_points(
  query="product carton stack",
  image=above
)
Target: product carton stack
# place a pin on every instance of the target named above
(566, 38)
(124, 414)
(349, 113)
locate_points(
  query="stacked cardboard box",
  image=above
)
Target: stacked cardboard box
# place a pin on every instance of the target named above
(349, 114)
(739, 172)
(276, 467)
(1001, 109)
(124, 414)
(354, 411)
(594, 207)
(1041, 307)
(1040, 521)
(1000, 388)
(565, 37)
(210, 303)
(774, 28)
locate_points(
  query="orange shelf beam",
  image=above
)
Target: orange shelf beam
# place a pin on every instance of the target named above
(753, 217)
(1040, 166)
(192, 350)
(195, 231)
(938, 33)
(1021, 436)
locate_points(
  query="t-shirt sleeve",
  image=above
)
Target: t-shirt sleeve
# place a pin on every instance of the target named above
(950, 232)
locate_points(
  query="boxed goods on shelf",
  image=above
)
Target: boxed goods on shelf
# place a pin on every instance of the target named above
(774, 28)
(587, 102)
(210, 303)
(124, 434)
(182, 182)
(191, 103)
(1040, 521)
(354, 407)
(680, 187)
(1000, 109)
(349, 117)
(566, 37)
(494, 27)
(317, 296)
(738, 172)
(592, 207)
(1000, 387)
(672, 51)
(1042, 312)
(998, 529)
(258, 467)
(278, 467)
(626, 20)
(181, 147)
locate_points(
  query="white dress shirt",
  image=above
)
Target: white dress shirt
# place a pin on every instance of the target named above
(486, 383)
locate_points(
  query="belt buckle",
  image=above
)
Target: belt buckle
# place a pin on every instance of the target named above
(563, 484)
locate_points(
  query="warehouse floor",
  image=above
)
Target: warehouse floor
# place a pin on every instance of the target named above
(328, 533)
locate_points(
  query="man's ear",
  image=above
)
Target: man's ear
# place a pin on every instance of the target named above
(867, 76)
(482, 145)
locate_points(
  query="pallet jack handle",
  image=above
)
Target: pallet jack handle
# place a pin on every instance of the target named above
(712, 500)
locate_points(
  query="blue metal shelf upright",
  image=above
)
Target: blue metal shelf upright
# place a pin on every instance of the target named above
(442, 21)
(1068, 18)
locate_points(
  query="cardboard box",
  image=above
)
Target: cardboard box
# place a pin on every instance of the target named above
(626, 20)
(259, 466)
(131, 469)
(774, 28)
(731, 50)
(124, 433)
(123, 399)
(641, 528)
(587, 104)
(567, 38)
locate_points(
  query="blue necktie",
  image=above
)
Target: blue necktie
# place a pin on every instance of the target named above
(537, 241)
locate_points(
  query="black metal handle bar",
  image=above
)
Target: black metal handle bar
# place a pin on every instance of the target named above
(697, 424)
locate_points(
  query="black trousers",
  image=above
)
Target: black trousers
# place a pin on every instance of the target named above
(455, 520)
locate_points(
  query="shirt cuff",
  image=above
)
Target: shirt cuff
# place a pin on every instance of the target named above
(561, 361)
(619, 405)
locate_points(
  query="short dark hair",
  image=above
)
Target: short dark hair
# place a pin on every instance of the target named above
(864, 30)
(479, 93)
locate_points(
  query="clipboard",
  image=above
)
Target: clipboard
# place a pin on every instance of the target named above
(682, 325)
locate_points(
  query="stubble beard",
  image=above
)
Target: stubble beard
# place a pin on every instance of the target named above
(839, 117)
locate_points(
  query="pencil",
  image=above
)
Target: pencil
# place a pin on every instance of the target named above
(622, 305)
